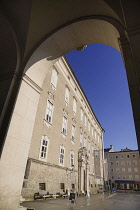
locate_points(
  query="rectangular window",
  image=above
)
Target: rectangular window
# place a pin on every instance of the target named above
(62, 186)
(92, 150)
(81, 137)
(88, 147)
(111, 163)
(129, 163)
(117, 170)
(95, 134)
(73, 186)
(85, 142)
(92, 131)
(117, 163)
(118, 177)
(88, 126)
(67, 95)
(73, 133)
(137, 177)
(112, 170)
(129, 170)
(130, 177)
(122, 156)
(128, 156)
(49, 112)
(122, 163)
(82, 115)
(124, 176)
(64, 126)
(72, 159)
(112, 177)
(136, 169)
(117, 156)
(85, 120)
(123, 169)
(43, 150)
(93, 168)
(62, 152)
(134, 162)
(42, 186)
(54, 78)
(98, 138)
(74, 105)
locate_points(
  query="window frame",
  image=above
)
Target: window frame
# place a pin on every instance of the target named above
(71, 158)
(74, 105)
(67, 95)
(42, 185)
(81, 139)
(73, 133)
(89, 147)
(49, 112)
(42, 145)
(64, 125)
(85, 142)
(54, 78)
(62, 155)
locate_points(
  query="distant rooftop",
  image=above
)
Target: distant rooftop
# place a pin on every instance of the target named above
(122, 150)
(110, 149)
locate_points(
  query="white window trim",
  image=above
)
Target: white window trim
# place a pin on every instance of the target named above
(81, 139)
(71, 153)
(85, 120)
(73, 133)
(88, 126)
(54, 82)
(82, 115)
(48, 101)
(67, 95)
(85, 142)
(88, 147)
(44, 137)
(74, 105)
(64, 125)
(63, 148)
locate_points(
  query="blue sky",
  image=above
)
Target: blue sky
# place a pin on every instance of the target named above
(101, 73)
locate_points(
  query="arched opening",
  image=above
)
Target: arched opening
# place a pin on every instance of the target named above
(105, 85)
(22, 123)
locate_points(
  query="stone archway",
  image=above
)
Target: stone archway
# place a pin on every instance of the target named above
(60, 37)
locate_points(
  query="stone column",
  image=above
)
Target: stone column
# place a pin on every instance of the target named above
(82, 177)
(130, 48)
(17, 144)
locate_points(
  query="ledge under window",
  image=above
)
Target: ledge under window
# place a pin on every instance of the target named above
(48, 124)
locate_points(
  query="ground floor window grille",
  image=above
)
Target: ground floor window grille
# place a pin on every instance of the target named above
(42, 186)
(62, 186)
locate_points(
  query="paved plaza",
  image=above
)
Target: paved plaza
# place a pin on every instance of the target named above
(106, 201)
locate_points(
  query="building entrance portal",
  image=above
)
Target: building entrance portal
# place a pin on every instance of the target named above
(83, 165)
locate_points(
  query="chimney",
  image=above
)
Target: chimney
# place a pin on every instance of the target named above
(111, 147)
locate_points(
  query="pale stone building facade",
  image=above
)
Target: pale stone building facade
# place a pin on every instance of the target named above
(66, 149)
(123, 169)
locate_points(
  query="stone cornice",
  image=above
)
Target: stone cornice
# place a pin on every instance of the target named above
(31, 83)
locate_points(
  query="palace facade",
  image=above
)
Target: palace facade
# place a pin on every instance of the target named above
(66, 150)
(123, 169)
